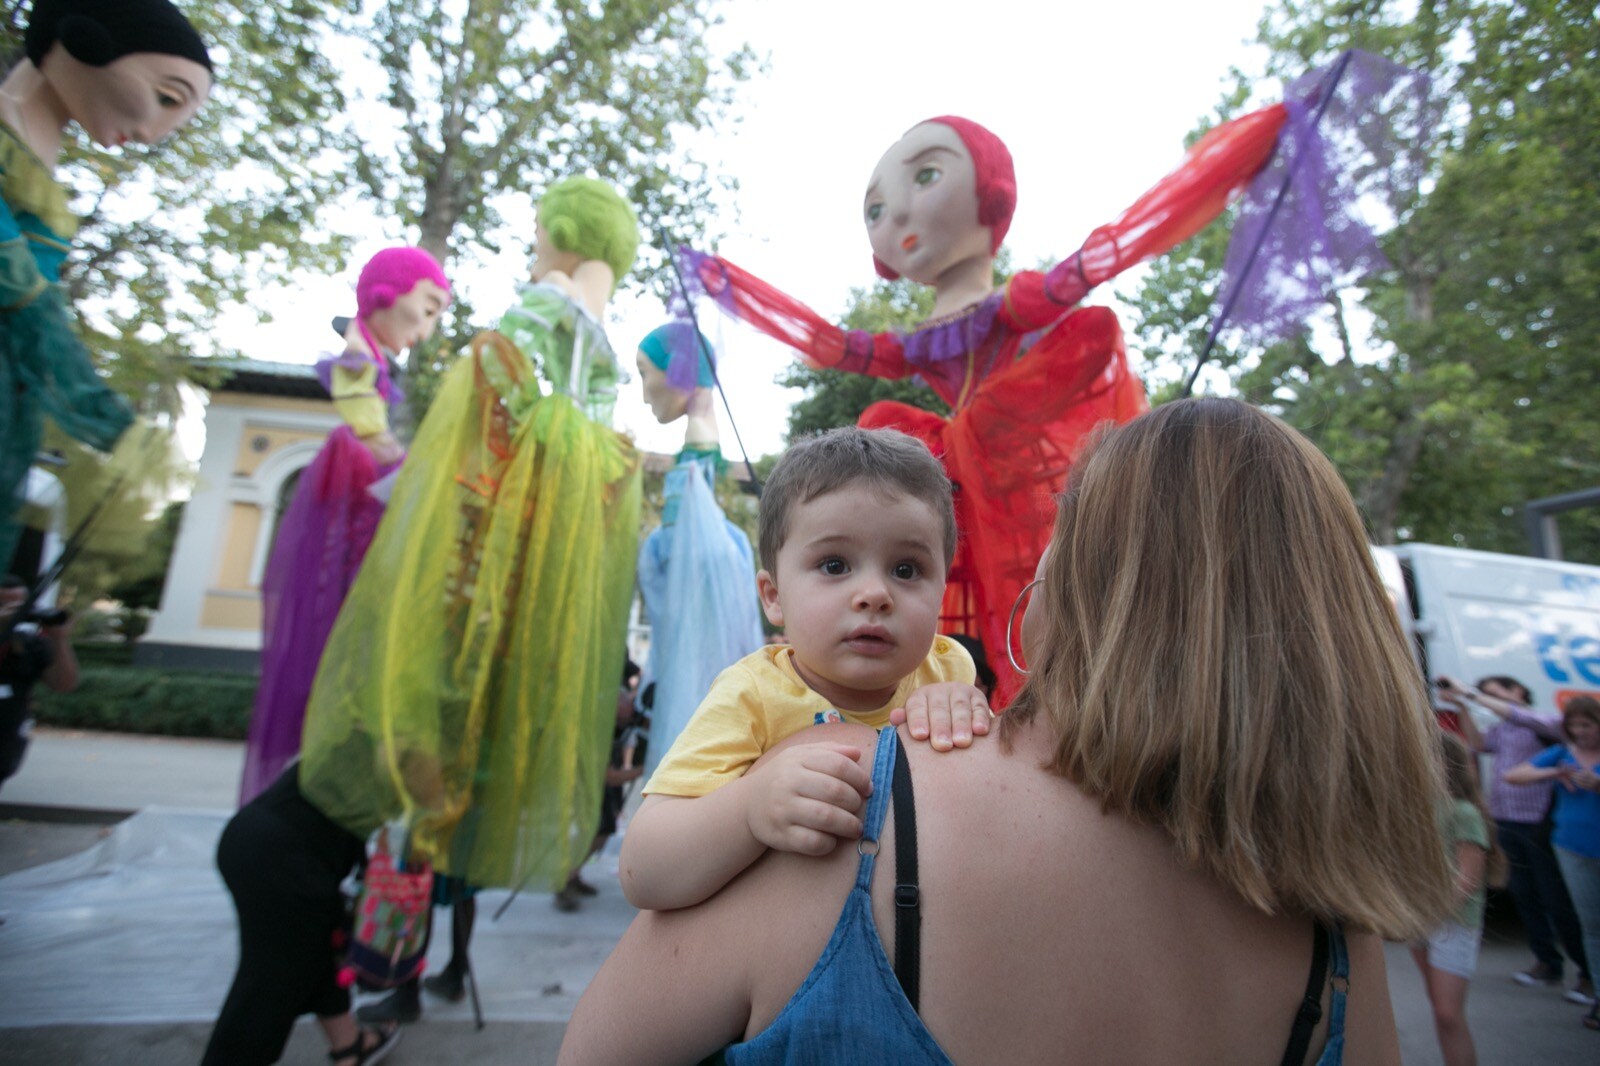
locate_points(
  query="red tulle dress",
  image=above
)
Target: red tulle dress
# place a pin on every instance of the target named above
(1028, 375)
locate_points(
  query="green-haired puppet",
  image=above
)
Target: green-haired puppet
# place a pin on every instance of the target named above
(469, 686)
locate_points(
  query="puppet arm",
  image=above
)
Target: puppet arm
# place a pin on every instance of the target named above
(1177, 207)
(780, 316)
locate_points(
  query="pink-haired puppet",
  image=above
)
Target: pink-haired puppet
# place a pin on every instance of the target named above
(325, 532)
(1027, 373)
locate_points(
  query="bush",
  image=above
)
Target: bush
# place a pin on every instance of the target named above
(128, 699)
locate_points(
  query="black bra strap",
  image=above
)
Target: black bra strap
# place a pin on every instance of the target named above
(907, 897)
(1310, 1013)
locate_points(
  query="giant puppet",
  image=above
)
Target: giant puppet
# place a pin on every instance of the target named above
(328, 526)
(123, 70)
(1026, 371)
(469, 684)
(696, 570)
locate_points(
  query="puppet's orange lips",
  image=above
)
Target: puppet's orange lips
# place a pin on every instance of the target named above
(910, 243)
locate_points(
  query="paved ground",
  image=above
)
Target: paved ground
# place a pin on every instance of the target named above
(81, 781)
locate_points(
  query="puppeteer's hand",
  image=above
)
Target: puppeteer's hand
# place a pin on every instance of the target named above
(947, 715)
(808, 798)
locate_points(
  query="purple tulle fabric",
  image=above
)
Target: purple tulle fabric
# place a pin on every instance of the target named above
(321, 539)
(1349, 151)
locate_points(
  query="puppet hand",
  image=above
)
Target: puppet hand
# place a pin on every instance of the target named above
(808, 798)
(713, 276)
(946, 715)
(385, 449)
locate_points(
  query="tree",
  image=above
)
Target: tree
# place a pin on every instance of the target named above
(495, 99)
(447, 114)
(1471, 394)
(171, 234)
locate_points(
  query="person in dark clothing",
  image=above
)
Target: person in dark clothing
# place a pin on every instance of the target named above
(283, 861)
(27, 657)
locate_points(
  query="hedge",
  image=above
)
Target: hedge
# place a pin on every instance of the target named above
(130, 699)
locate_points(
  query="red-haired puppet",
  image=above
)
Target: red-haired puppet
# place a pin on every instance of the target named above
(1026, 373)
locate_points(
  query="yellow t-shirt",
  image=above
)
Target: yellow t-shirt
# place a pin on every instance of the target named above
(760, 700)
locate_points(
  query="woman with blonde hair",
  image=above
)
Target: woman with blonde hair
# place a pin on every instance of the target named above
(1211, 802)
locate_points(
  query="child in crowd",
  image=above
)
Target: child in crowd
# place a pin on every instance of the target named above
(857, 532)
(1449, 957)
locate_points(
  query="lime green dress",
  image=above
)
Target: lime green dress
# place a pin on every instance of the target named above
(469, 685)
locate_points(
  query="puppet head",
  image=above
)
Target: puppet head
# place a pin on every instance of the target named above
(586, 219)
(126, 70)
(669, 371)
(399, 296)
(977, 173)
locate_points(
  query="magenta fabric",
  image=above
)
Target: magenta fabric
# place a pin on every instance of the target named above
(322, 538)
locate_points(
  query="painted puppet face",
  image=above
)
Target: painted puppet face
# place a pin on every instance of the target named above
(921, 207)
(665, 402)
(411, 319)
(140, 98)
(856, 588)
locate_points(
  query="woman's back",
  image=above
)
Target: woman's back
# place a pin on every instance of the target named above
(1048, 926)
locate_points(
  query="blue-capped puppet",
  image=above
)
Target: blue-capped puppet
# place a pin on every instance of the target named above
(123, 70)
(696, 571)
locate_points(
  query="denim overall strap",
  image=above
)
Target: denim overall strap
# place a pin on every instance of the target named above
(877, 806)
(1333, 1050)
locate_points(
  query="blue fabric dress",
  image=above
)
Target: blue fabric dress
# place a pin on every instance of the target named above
(697, 575)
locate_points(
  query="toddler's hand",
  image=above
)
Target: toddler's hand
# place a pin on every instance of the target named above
(946, 715)
(808, 798)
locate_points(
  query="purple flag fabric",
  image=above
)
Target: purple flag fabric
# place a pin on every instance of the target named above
(1346, 157)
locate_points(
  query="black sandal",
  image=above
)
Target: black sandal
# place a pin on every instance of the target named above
(362, 1052)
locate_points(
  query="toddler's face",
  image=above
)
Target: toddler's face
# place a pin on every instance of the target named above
(857, 589)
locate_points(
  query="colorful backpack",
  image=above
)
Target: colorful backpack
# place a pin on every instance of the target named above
(389, 937)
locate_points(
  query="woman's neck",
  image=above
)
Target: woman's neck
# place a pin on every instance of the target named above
(32, 108)
(965, 283)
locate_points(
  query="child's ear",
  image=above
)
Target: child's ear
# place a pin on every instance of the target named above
(767, 588)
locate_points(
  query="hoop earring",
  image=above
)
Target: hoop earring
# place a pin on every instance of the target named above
(1011, 624)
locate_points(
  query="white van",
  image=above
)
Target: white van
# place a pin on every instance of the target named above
(1473, 614)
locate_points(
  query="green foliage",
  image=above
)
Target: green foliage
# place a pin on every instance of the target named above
(1471, 393)
(499, 100)
(126, 699)
(443, 114)
(175, 232)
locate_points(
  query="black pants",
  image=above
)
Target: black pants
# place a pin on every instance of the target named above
(289, 907)
(1541, 895)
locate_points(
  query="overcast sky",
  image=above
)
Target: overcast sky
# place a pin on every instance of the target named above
(1093, 101)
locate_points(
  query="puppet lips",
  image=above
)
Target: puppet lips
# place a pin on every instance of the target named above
(910, 243)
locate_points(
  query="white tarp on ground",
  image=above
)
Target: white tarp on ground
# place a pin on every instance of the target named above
(140, 928)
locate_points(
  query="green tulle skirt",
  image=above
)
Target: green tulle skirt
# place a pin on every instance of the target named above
(469, 685)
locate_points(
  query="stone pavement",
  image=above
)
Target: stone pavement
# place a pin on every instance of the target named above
(533, 964)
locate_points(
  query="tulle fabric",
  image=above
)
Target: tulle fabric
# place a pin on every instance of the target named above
(1009, 451)
(470, 681)
(321, 540)
(698, 579)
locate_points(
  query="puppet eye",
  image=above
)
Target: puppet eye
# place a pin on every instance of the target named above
(874, 212)
(928, 175)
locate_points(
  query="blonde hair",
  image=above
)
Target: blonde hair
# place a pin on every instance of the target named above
(1217, 657)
